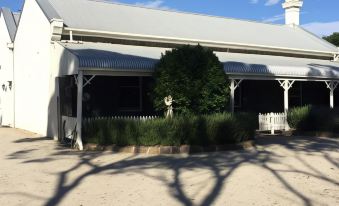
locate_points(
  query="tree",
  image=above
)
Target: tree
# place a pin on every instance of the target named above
(194, 77)
(334, 38)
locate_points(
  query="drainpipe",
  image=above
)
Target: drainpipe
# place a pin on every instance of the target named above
(11, 47)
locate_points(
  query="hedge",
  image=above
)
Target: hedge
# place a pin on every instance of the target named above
(313, 118)
(204, 130)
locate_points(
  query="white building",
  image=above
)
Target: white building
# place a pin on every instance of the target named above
(87, 58)
(8, 25)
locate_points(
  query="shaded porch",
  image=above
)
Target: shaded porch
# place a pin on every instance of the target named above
(113, 80)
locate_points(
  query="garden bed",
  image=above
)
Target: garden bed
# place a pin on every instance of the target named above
(203, 133)
(314, 121)
(161, 150)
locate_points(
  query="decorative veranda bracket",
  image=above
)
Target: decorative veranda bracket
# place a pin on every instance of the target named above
(332, 85)
(286, 84)
(87, 81)
(235, 83)
(336, 57)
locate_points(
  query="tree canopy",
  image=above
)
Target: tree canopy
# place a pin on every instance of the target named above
(334, 38)
(194, 77)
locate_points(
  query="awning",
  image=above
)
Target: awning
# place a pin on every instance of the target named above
(127, 58)
(115, 57)
(275, 66)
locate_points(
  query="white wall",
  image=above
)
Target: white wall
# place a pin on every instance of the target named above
(6, 74)
(32, 70)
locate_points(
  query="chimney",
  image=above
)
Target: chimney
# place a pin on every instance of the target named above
(292, 11)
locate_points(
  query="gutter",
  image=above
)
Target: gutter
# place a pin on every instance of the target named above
(173, 40)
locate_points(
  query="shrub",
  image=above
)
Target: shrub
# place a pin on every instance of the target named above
(216, 129)
(299, 117)
(312, 118)
(195, 78)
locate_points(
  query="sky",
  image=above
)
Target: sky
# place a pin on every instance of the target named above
(319, 16)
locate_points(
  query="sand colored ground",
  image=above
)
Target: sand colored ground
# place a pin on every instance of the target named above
(280, 171)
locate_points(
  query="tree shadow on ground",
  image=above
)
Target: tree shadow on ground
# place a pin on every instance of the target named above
(34, 139)
(220, 165)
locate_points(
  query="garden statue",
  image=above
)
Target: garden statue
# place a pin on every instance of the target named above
(168, 102)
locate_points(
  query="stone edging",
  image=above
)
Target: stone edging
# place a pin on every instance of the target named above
(160, 150)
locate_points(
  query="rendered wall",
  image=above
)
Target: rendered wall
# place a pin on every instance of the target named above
(6, 76)
(32, 70)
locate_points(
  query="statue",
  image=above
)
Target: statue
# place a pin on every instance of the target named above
(168, 102)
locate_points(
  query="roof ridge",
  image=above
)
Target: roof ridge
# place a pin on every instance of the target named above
(185, 12)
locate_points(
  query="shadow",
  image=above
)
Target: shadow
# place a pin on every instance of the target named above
(324, 70)
(305, 144)
(22, 154)
(34, 139)
(221, 166)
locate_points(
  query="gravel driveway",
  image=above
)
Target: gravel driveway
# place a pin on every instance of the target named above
(280, 171)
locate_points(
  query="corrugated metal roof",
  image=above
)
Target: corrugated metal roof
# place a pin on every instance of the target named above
(113, 17)
(264, 65)
(114, 56)
(10, 22)
(126, 57)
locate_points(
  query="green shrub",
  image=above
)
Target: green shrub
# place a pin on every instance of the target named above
(216, 129)
(299, 117)
(194, 77)
(312, 118)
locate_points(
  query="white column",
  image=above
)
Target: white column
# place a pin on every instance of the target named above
(332, 98)
(232, 87)
(332, 85)
(79, 110)
(286, 84)
(286, 105)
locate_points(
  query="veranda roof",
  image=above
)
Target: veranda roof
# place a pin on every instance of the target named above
(126, 58)
(267, 66)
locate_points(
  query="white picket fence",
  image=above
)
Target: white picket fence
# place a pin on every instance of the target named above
(272, 122)
(137, 118)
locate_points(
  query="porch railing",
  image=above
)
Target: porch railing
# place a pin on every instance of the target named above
(272, 122)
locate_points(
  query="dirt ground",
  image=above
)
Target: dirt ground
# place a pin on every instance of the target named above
(280, 171)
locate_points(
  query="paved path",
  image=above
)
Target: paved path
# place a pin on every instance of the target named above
(281, 171)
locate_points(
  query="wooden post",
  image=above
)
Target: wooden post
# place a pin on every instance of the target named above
(286, 96)
(232, 87)
(286, 84)
(332, 85)
(332, 98)
(79, 110)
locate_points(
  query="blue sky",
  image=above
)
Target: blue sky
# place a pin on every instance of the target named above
(318, 16)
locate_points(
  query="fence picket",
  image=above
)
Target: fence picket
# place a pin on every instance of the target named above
(134, 118)
(272, 121)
